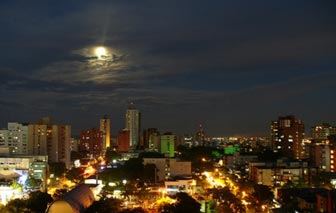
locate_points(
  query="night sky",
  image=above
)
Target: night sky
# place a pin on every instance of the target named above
(231, 65)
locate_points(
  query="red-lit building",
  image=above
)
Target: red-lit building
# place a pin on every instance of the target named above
(287, 134)
(91, 141)
(123, 140)
(326, 202)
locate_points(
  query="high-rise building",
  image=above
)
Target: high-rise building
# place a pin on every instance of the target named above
(287, 134)
(49, 139)
(133, 125)
(15, 138)
(91, 142)
(106, 130)
(321, 132)
(200, 136)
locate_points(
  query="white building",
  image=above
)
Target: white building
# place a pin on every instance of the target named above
(15, 137)
(169, 167)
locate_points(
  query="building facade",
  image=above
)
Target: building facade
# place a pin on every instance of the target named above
(15, 137)
(123, 140)
(148, 135)
(133, 125)
(91, 141)
(323, 131)
(287, 134)
(105, 128)
(169, 167)
(49, 139)
(167, 144)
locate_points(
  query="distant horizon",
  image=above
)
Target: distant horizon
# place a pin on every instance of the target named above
(114, 132)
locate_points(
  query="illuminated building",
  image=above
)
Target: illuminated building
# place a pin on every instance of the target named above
(149, 136)
(15, 137)
(319, 156)
(133, 119)
(167, 144)
(279, 173)
(321, 132)
(200, 135)
(105, 127)
(74, 144)
(123, 140)
(332, 141)
(91, 142)
(187, 186)
(46, 138)
(24, 165)
(287, 134)
(169, 167)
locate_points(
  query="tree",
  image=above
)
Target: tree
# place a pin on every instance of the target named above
(75, 155)
(105, 205)
(262, 195)
(14, 206)
(149, 172)
(135, 210)
(38, 201)
(31, 182)
(186, 203)
(57, 168)
(75, 175)
(111, 155)
(58, 193)
(16, 185)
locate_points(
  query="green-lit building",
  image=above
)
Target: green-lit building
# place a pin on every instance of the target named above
(231, 149)
(168, 144)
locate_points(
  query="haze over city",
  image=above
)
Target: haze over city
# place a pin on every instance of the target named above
(232, 66)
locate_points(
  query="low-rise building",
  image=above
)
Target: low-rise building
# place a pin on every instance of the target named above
(167, 168)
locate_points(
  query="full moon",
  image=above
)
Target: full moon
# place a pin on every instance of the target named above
(100, 51)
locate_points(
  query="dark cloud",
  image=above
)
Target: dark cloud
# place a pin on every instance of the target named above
(233, 66)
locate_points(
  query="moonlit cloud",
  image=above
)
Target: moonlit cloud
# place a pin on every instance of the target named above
(233, 66)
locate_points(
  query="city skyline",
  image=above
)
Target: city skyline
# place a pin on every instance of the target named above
(231, 66)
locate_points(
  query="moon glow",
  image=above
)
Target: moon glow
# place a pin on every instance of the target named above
(100, 52)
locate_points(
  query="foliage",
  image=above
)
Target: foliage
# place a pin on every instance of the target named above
(149, 172)
(262, 195)
(111, 155)
(31, 182)
(58, 193)
(16, 185)
(75, 155)
(186, 203)
(57, 168)
(105, 205)
(14, 206)
(38, 201)
(196, 156)
(75, 175)
(135, 210)
(268, 155)
(132, 170)
(227, 201)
